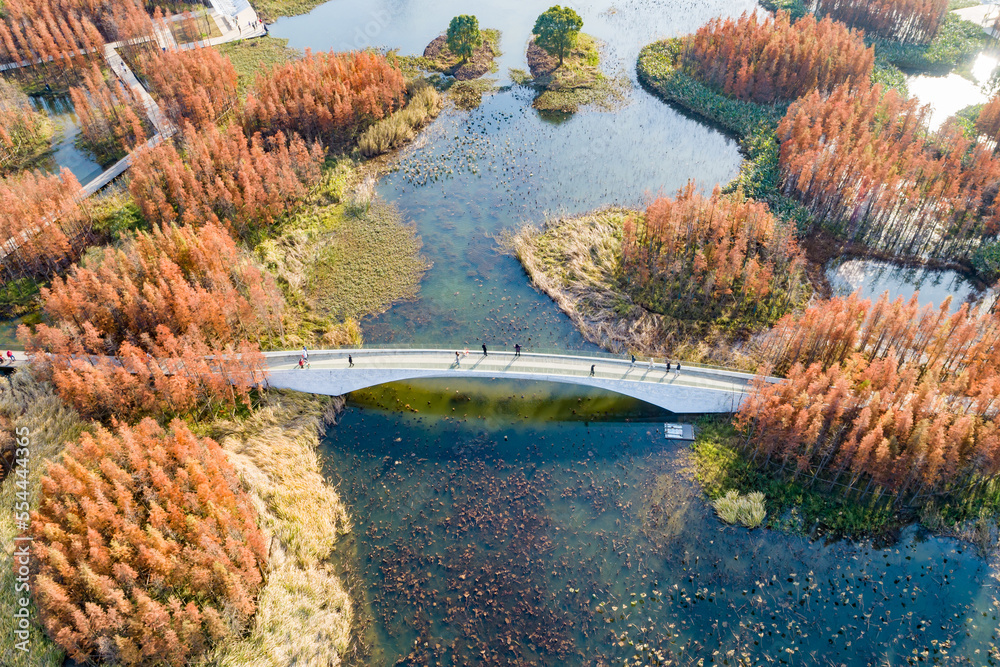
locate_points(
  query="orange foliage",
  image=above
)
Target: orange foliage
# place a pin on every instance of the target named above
(160, 325)
(111, 119)
(863, 159)
(20, 125)
(327, 97)
(692, 255)
(146, 546)
(223, 178)
(42, 227)
(67, 31)
(915, 21)
(775, 59)
(988, 123)
(195, 85)
(904, 397)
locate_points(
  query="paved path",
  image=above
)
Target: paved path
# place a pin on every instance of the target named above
(233, 28)
(692, 390)
(983, 15)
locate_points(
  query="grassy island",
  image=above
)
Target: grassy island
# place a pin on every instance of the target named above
(577, 82)
(667, 281)
(440, 58)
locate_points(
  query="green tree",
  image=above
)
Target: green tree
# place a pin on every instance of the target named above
(464, 36)
(556, 30)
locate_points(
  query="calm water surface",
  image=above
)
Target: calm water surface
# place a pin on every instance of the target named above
(476, 173)
(64, 151)
(493, 520)
(872, 278)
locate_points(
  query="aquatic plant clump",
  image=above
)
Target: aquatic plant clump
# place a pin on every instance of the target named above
(776, 59)
(745, 510)
(402, 126)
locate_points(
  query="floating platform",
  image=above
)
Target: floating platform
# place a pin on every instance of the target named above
(682, 432)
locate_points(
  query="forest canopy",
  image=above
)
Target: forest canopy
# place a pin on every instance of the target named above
(775, 59)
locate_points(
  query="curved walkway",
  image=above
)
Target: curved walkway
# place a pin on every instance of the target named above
(691, 390)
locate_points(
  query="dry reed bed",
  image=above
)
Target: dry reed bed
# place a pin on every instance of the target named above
(576, 262)
(305, 615)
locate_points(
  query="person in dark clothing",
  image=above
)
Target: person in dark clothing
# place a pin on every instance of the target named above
(592, 369)
(484, 350)
(633, 361)
(350, 361)
(517, 350)
(678, 367)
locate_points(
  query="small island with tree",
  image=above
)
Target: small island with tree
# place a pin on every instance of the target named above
(465, 51)
(565, 64)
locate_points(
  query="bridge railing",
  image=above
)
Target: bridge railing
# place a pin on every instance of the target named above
(526, 350)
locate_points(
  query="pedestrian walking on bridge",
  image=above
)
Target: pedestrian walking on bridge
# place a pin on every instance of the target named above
(517, 350)
(350, 361)
(592, 366)
(484, 350)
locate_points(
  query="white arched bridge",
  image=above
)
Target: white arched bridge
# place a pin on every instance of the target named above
(692, 389)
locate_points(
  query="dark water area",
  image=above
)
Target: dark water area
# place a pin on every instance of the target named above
(473, 174)
(872, 278)
(64, 151)
(491, 534)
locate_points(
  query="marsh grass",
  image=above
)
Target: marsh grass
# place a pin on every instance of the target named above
(955, 45)
(339, 259)
(304, 615)
(271, 10)
(576, 262)
(747, 511)
(402, 126)
(251, 57)
(29, 404)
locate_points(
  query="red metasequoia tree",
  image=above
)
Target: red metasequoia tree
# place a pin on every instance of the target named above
(863, 160)
(195, 85)
(220, 176)
(913, 21)
(775, 59)
(42, 226)
(988, 123)
(327, 97)
(888, 395)
(146, 546)
(21, 127)
(162, 324)
(112, 120)
(700, 257)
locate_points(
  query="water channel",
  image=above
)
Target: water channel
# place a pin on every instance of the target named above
(493, 520)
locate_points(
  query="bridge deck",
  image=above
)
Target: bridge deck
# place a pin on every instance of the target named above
(690, 390)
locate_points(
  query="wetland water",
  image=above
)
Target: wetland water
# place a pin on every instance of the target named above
(492, 520)
(64, 151)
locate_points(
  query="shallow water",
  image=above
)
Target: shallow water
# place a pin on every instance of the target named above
(493, 535)
(64, 151)
(473, 174)
(949, 94)
(872, 278)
